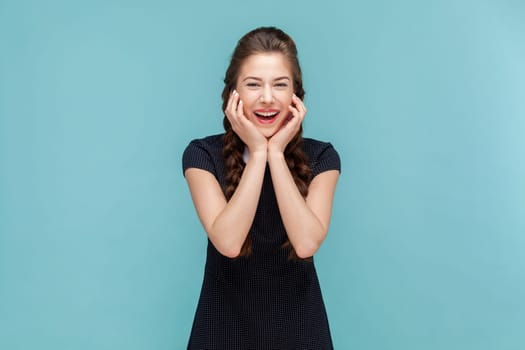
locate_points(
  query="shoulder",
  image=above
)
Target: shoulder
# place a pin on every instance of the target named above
(315, 146)
(209, 142)
(203, 152)
(322, 155)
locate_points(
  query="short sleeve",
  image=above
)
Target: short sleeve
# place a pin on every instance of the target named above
(196, 155)
(326, 159)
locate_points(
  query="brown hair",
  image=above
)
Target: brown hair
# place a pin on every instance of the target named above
(262, 40)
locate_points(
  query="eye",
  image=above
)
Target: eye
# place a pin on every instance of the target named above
(252, 85)
(281, 85)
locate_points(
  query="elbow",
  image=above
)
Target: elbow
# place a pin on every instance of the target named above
(306, 250)
(231, 253)
(228, 249)
(309, 245)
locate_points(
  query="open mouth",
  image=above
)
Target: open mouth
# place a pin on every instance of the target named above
(266, 117)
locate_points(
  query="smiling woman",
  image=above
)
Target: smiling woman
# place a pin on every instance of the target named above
(264, 197)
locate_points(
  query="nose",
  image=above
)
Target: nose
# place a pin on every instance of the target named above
(267, 94)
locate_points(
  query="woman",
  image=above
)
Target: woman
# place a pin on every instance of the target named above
(264, 197)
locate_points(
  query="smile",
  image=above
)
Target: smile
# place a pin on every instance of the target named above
(266, 116)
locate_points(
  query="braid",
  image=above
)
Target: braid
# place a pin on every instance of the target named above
(232, 154)
(298, 163)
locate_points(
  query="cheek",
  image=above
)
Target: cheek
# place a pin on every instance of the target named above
(247, 99)
(287, 103)
(247, 112)
(286, 99)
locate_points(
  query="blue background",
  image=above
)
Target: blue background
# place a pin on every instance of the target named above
(100, 246)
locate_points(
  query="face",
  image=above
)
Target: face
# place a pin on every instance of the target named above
(265, 86)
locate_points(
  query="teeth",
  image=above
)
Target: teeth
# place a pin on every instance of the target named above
(266, 114)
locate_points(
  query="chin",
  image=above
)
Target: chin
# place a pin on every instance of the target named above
(268, 133)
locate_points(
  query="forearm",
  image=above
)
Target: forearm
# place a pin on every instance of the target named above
(230, 228)
(305, 231)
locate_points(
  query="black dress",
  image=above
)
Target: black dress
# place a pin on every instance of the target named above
(265, 300)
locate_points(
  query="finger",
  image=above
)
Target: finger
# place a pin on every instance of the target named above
(294, 110)
(234, 105)
(240, 113)
(299, 105)
(228, 110)
(301, 112)
(228, 105)
(297, 118)
(290, 122)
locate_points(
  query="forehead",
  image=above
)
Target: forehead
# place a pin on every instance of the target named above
(266, 65)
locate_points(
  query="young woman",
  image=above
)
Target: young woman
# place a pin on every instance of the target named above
(264, 195)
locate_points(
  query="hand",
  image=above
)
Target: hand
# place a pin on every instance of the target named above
(242, 126)
(290, 127)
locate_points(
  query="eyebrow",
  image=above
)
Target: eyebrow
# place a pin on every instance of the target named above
(259, 79)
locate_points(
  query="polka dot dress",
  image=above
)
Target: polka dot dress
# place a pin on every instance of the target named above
(265, 300)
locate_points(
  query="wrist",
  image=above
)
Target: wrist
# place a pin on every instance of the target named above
(275, 154)
(260, 149)
(257, 155)
(273, 148)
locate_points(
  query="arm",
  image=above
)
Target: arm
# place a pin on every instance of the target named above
(306, 221)
(227, 223)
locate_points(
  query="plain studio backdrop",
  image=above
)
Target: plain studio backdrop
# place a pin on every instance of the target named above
(100, 246)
